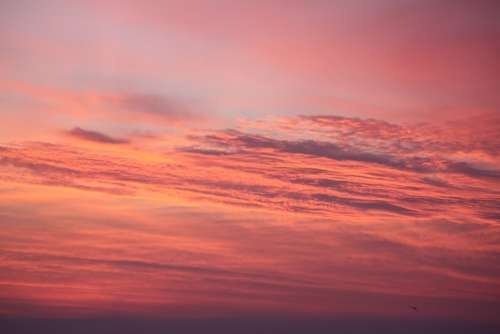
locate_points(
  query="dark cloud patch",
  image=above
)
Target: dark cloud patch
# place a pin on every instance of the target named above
(491, 215)
(152, 104)
(366, 204)
(96, 136)
(436, 182)
(239, 141)
(334, 151)
(349, 126)
(307, 147)
(203, 151)
(468, 169)
(323, 183)
(477, 133)
(349, 151)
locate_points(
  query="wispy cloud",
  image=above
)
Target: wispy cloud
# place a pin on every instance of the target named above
(125, 106)
(156, 105)
(256, 170)
(95, 136)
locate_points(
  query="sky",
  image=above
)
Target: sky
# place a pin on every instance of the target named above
(240, 165)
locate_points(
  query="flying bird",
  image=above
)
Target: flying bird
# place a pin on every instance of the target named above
(414, 308)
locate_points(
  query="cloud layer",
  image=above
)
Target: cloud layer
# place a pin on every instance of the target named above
(361, 211)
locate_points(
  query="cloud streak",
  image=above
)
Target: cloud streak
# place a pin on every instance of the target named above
(156, 105)
(95, 136)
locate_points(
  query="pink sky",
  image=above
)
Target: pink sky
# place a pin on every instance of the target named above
(199, 159)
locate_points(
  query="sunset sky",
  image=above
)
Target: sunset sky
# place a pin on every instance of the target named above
(236, 163)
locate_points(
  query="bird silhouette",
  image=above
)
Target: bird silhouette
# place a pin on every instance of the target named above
(414, 308)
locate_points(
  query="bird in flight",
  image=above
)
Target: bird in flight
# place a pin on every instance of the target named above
(414, 308)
